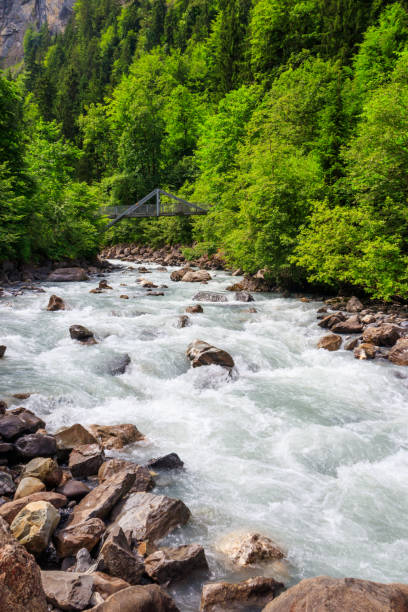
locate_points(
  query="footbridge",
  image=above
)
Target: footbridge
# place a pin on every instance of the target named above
(157, 203)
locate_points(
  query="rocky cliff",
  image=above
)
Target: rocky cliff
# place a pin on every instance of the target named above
(17, 15)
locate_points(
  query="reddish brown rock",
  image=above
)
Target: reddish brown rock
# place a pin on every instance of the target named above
(20, 579)
(85, 460)
(330, 320)
(170, 564)
(81, 535)
(224, 596)
(9, 510)
(383, 335)
(331, 342)
(194, 309)
(399, 353)
(55, 303)
(365, 351)
(149, 598)
(117, 559)
(323, 594)
(352, 325)
(201, 353)
(115, 436)
(73, 436)
(143, 478)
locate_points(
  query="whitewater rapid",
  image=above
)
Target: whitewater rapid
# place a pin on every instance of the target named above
(305, 446)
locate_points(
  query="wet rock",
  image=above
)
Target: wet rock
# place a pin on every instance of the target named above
(149, 598)
(365, 351)
(100, 501)
(168, 462)
(62, 275)
(73, 436)
(82, 334)
(194, 309)
(341, 595)
(21, 396)
(201, 353)
(147, 284)
(3, 349)
(196, 276)
(106, 585)
(45, 469)
(150, 517)
(20, 585)
(34, 525)
(116, 436)
(55, 303)
(177, 275)
(351, 325)
(331, 320)
(383, 335)
(85, 460)
(7, 486)
(36, 445)
(246, 549)
(223, 596)
(119, 365)
(67, 590)
(183, 321)
(399, 353)
(103, 284)
(27, 486)
(170, 564)
(15, 423)
(251, 310)
(74, 489)
(71, 539)
(143, 478)
(9, 510)
(3, 407)
(154, 293)
(124, 297)
(331, 342)
(243, 296)
(354, 305)
(210, 296)
(351, 344)
(117, 559)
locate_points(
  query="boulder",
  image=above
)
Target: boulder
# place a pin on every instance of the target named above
(74, 489)
(82, 334)
(45, 469)
(340, 595)
(27, 486)
(7, 486)
(183, 321)
(85, 460)
(331, 342)
(115, 436)
(244, 296)
(55, 303)
(383, 335)
(20, 579)
(9, 510)
(73, 436)
(150, 517)
(119, 365)
(224, 596)
(201, 353)
(3, 350)
(168, 462)
(149, 598)
(194, 309)
(246, 549)
(143, 478)
(36, 445)
(67, 590)
(331, 320)
(196, 276)
(15, 423)
(71, 539)
(354, 305)
(117, 559)
(170, 564)
(399, 353)
(364, 351)
(100, 501)
(64, 275)
(34, 525)
(352, 325)
(210, 296)
(177, 275)
(106, 585)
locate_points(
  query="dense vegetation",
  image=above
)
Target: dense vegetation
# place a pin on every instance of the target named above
(289, 117)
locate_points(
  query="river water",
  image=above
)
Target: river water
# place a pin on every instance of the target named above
(305, 446)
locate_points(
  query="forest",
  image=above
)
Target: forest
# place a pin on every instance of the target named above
(288, 117)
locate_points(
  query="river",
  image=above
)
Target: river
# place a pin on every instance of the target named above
(305, 446)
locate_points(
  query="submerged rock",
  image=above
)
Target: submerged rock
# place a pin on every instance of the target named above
(224, 596)
(119, 364)
(55, 303)
(201, 353)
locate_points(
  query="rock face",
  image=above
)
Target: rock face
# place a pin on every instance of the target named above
(70, 540)
(201, 353)
(67, 590)
(399, 353)
(341, 594)
(62, 275)
(20, 580)
(117, 559)
(17, 16)
(250, 549)
(55, 303)
(150, 598)
(223, 596)
(170, 564)
(150, 517)
(331, 342)
(115, 436)
(34, 525)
